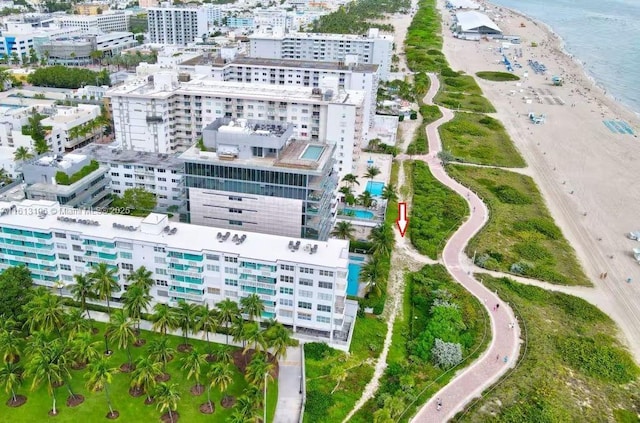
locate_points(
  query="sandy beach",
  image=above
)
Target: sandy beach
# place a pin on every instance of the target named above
(584, 170)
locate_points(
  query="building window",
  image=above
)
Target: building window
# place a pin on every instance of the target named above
(65, 267)
(322, 307)
(78, 259)
(306, 270)
(304, 316)
(63, 256)
(230, 294)
(214, 291)
(286, 302)
(213, 257)
(60, 235)
(305, 294)
(305, 282)
(126, 255)
(239, 211)
(326, 273)
(304, 304)
(159, 249)
(323, 319)
(160, 282)
(284, 278)
(231, 270)
(76, 248)
(126, 266)
(325, 285)
(287, 291)
(161, 271)
(235, 222)
(287, 267)
(159, 260)
(124, 245)
(324, 297)
(231, 282)
(285, 313)
(60, 246)
(213, 268)
(231, 259)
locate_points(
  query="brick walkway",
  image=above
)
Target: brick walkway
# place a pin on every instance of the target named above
(471, 381)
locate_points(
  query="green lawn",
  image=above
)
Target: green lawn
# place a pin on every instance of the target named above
(461, 92)
(521, 236)
(409, 381)
(497, 76)
(420, 145)
(356, 368)
(573, 368)
(94, 409)
(476, 138)
(435, 213)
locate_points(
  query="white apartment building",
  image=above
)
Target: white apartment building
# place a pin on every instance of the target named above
(271, 18)
(351, 75)
(12, 119)
(20, 38)
(117, 21)
(160, 114)
(215, 14)
(302, 284)
(66, 118)
(160, 174)
(373, 48)
(176, 25)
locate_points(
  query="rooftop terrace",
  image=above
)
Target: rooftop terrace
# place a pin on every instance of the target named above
(107, 154)
(277, 63)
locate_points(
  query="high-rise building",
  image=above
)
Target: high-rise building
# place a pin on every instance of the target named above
(253, 175)
(176, 25)
(302, 284)
(116, 21)
(161, 114)
(275, 43)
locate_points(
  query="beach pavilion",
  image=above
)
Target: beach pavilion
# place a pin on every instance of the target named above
(462, 4)
(472, 25)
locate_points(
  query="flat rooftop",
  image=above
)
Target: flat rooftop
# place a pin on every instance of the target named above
(107, 154)
(289, 158)
(316, 36)
(208, 86)
(190, 238)
(278, 63)
(61, 162)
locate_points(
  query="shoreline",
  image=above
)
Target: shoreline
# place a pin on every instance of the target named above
(585, 171)
(560, 47)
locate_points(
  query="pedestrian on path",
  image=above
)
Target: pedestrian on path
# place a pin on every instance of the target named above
(497, 306)
(628, 280)
(498, 357)
(506, 359)
(604, 276)
(438, 404)
(512, 325)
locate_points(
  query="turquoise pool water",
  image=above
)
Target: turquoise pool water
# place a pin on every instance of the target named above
(312, 152)
(355, 265)
(361, 214)
(375, 188)
(11, 106)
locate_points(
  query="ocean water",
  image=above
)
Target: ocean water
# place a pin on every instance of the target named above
(604, 35)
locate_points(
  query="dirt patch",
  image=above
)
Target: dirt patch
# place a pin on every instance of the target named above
(242, 360)
(136, 391)
(167, 419)
(228, 401)
(163, 377)
(207, 408)
(149, 400)
(79, 366)
(95, 331)
(57, 384)
(183, 348)
(139, 342)
(210, 358)
(127, 367)
(75, 400)
(16, 359)
(197, 390)
(112, 415)
(19, 400)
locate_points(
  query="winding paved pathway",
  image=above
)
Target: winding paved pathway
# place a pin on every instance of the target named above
(490, 366)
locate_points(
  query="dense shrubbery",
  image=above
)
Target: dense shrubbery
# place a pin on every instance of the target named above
(497, 76)
(436, 212)
(571, 360)
(520, 237)
(352, 18)
(64, 179)
(67, 77)
(423, 43)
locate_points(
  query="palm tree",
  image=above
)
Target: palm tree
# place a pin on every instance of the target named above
(167, 397)
(135, 301)
(350, 179)
(99, 376)
(143, 277)
(343, 230)
(58, 351)
(120, 329)
(22, 154)
(192, 363)
(366, 199)
(254, 337)
(83, 349)
(11, 378)
(81, 290)
(164, 318)
(186, 316)
(372, 274)
(10, 345)
(220, 376)
(258, 368)
(222, 353)
(105, 282)
(44, 370)
(253, 306)
(160, 351)
(228, 311)
(372, 172)
(389, 193)
(41, 146)
(238, 331)
(145, 374)
(278, 338)
(206, 321)
(382, 239)
(345, 190)
(45, 312)
(74, 323)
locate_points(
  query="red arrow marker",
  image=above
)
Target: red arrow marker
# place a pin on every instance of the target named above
(402, 221)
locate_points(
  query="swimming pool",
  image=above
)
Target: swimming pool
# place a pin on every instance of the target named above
(312, 152)
(353, 277)
(11, 106)
(360, 214)
(375, 188)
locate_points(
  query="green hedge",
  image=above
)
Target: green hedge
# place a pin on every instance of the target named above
(64, 179)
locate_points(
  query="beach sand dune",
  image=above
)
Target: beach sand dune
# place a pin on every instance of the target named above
(586, 172)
